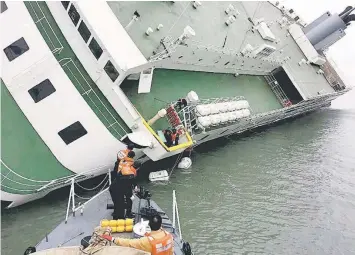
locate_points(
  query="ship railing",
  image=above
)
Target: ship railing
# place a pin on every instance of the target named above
(231, 52)
(278, 91)
(55, 44)
(261, 119)
(188, 115)
(169, 47)
(23, 185)
(88, 91)
(104, 184)
(176, 218)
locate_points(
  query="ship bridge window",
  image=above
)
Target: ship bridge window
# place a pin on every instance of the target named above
(16, 49)
(111, 71)
(3, 7)
(95, 48)
(65, 4)
(41, 90)
(74, 15)
(84, 31)
(72, 132)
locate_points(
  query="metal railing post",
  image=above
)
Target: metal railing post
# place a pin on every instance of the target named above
(73, 196)
(109, 177)
(70, 196)
(174, 208)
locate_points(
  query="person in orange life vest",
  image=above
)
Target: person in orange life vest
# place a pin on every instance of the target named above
(157, 242)
(121, 155)
(174, 137)
(118, 187)
(127, 171)
(127, 182)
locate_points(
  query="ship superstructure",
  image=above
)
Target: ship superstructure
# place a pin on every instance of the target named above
(82, 79)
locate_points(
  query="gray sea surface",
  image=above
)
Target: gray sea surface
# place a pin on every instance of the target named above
(289, 189)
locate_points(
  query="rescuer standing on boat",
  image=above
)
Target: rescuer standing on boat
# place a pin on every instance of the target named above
(157, 242)
(119, 186)
(126, 179)
(121, 155)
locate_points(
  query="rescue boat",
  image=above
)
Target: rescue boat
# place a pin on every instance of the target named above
(81, 234)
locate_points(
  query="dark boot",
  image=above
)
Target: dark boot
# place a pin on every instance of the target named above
(129, 214)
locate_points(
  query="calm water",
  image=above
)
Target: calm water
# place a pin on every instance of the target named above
(287, 190)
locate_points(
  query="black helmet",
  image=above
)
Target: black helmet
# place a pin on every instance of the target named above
(130, 146)
(131, 154)
(137, 164)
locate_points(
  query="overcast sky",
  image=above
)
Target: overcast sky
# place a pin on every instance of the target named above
(342, 52)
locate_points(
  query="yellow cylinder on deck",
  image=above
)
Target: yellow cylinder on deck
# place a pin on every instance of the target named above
(113, 223)
(120, 223)
(129, 228)
(114, 229)
(129, 222)
(104, 223)
(120, 229)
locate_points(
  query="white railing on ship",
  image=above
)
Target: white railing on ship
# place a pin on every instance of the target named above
(176, 215)
(39, 185)
(72, 195)
(65, 63)
(41, 17)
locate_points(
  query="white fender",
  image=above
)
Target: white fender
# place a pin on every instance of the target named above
(185, 163)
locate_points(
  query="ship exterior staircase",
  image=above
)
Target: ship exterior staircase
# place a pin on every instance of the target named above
(173, 116)
(276, 88)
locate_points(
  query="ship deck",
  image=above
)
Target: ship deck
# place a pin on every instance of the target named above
(208, 22)
(170, 85)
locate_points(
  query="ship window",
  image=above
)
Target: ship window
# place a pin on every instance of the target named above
(41, 91)
(3, 7)
(95, 48)
(72, 132)
(111, 71)
(74, 15)
(16, 49)
(65, 4)
(84, 31)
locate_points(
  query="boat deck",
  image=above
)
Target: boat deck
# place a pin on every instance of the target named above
(208, 23)
(80, 226)
(170, 85)
(23, 151)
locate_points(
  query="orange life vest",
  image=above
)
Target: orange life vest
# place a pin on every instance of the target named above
(126, 167)
(122, 154)
(173, 137)
(161, 246)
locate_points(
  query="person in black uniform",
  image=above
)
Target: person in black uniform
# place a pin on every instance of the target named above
(118, 187)
(128, 185)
